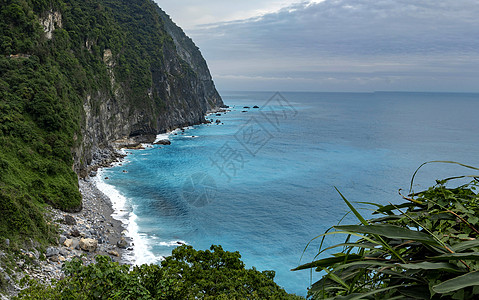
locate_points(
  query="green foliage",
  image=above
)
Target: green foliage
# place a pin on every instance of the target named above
(424, 248)
(43, 84)
(187, 274)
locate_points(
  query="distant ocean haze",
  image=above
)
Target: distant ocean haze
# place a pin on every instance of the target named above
(262, 180)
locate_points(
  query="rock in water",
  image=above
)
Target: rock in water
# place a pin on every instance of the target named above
(163, 142)
(88, 244)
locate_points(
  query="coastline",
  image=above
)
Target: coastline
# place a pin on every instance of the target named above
(92, 231)
(97, 222)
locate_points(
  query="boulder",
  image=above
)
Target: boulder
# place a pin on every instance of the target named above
(52, 251)
(75, 233)
(68, 243)
(88, 244)
(256, 106)
(163, 142)
(122, 243)
(69, 220)
(114, 253)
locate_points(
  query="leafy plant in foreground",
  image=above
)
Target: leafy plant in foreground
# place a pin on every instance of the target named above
(186, 274)
(424, 248)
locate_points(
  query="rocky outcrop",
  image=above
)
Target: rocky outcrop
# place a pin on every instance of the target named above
(181, 93)
(51, 21)
(191, 54)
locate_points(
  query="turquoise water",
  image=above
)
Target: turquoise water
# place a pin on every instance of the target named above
(262, 181)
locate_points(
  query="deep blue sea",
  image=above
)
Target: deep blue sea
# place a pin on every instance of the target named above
(262, 181)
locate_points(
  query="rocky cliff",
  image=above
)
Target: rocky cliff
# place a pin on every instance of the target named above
(75, 78)
(180, 92)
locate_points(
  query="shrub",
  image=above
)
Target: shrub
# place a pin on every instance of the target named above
(424, 248)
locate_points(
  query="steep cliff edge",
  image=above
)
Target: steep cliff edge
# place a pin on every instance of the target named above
(76, 76)
(179, 89)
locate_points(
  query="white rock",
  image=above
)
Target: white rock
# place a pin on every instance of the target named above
(88, 244)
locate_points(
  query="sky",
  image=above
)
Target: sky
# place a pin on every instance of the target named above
(335, 45)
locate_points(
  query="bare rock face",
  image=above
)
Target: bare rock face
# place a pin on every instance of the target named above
(88, 244)
(50, 22)
(180, 93)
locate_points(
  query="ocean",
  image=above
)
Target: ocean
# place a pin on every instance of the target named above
(262, 180)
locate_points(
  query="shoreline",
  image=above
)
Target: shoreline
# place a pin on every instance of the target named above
(93, 230)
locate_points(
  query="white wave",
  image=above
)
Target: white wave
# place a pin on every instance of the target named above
(142, 253)
(124, 212)
(118, 201)
(162, 136)
(173, 243)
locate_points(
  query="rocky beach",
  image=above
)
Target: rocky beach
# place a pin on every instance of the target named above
(85, 234)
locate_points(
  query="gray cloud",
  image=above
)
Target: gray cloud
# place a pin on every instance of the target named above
(364, 45)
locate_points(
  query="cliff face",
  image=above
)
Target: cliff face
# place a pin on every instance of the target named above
(75, 77)
(180, 90)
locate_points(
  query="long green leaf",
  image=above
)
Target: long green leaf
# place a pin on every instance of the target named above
(438, 161)
(361, 296)
(353, 245)
(351, 207)
(365, 223)
(456, 256)
(327, 262)
(441, 266)
(459, 247)
(389, 208)
(460, 282)
(364, 263)
(336, 278)
(389, 231)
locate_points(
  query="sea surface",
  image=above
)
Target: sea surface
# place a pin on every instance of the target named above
(262, 181)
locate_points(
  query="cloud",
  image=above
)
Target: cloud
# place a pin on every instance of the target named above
(189, 13)
(400, 41)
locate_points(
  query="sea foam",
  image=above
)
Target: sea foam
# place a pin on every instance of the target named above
(124, 212)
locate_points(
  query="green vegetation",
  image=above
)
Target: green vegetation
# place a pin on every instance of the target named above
(187, 274)
(424, 248)
(43, 85)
